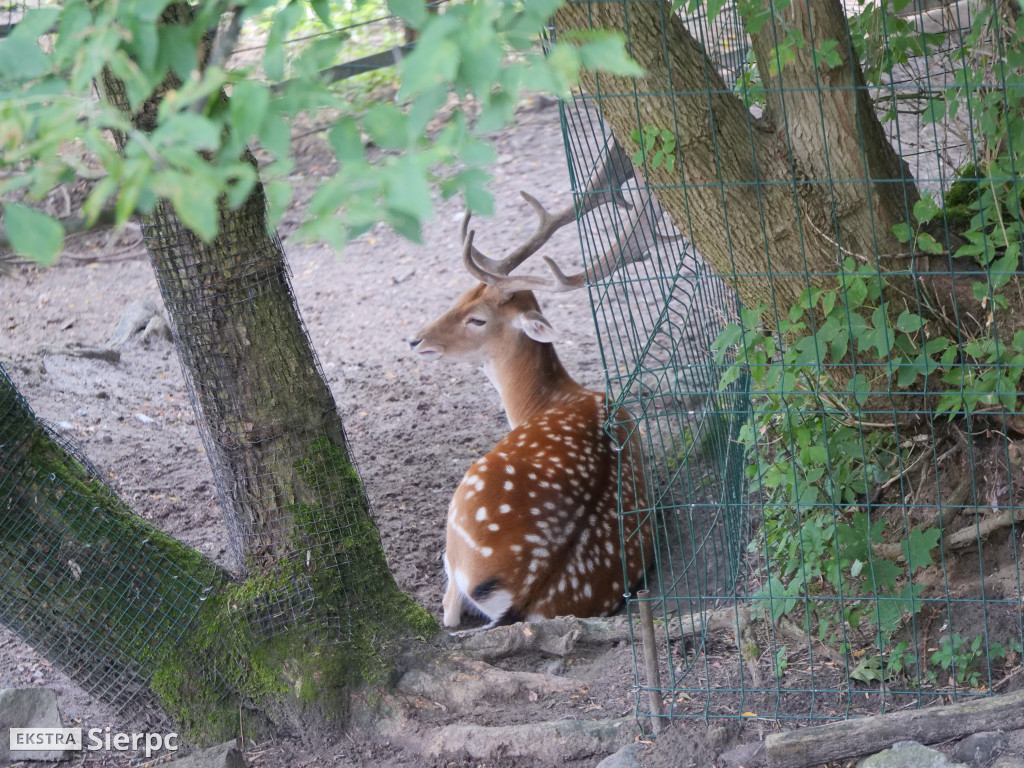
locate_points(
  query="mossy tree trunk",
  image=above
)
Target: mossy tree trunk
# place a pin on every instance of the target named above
(91, 585)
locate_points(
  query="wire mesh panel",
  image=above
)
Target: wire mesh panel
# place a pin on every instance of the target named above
(85, 581)
(815, 323)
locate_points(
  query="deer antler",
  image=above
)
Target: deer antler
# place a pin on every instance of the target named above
(634, 240)
(603, 188)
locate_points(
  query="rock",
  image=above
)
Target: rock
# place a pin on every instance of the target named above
(1008, 761)
(626, 757)
(908, 754)
(226, 755)
(744, 756)
(5, 751)
(30, 708)
(978, 748)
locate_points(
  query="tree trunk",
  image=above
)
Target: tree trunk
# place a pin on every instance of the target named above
(92, 586)
(782, 204)
(740, 193)
(280, 461)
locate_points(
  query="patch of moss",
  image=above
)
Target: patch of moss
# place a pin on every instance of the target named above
(960, 203)
(340, 560)
(750, 652)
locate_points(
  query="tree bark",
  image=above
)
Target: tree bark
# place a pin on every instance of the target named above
(741, 192)
(92, 586)
(268, 418)
(781, 204)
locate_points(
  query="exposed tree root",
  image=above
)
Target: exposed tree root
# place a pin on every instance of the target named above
(76, 350)
(965, 537)
(560, 636)
(951, 506)
(549, 743)
(460, 684)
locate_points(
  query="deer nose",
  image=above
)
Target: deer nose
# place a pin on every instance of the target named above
(413, 343)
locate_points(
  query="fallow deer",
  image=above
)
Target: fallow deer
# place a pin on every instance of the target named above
(532, 530)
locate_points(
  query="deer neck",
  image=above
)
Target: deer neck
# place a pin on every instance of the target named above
(530, 381)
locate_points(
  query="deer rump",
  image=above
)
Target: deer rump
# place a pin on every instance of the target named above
(533, 529)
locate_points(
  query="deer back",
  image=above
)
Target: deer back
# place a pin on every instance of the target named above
(533, 530)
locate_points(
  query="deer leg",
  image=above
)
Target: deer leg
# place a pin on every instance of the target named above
(453, 598)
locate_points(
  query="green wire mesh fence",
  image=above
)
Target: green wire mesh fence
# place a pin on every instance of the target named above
(816, 323)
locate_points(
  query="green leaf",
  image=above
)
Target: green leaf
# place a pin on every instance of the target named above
(409, 191)
(248, 107)
(856, 293)
(135, 178)
(902, 232)
(322, 9)
(387, 126)
(908, 322)
(869, 670)
(21, 60)
(714, 7)
(925, 209)
(187, 129)
(1002, 270)
(346, 142)
(177, 51)
(431, 63)
(279, 197)
(828, 55)
(412, 12)
(474, 188)
(150, 10)
(917, 549)
(928, 244)
(196, 203)
(33, 234)
(605, 51)
(861, 389)
(275, 135)
(934, 111)
(906, 374)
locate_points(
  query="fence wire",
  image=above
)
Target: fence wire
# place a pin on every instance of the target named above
(95, 594)
(828, 545)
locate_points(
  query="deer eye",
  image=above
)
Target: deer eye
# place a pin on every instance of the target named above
(478, 321)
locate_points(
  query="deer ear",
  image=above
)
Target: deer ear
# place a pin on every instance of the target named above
(534, 325)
